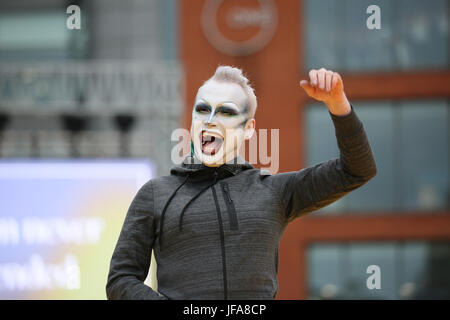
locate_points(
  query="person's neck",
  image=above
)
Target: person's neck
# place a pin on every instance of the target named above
(234, 161)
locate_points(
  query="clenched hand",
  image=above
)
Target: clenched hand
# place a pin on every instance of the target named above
(327, 86)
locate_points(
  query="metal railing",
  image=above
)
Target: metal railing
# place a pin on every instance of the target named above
(103, 86)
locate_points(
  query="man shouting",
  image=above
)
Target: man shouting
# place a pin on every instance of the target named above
(215, 222)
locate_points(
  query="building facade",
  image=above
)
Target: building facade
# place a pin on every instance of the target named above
(121, 84)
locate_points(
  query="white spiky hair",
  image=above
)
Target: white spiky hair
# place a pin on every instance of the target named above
(235, 75)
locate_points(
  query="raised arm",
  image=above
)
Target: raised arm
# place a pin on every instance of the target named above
(312, 188)
(131, 258)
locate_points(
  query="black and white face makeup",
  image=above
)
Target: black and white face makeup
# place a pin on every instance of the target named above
(220, 122)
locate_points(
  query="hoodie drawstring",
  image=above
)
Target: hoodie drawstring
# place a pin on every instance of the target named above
(184, 208)
(180, 226)
(165, 208)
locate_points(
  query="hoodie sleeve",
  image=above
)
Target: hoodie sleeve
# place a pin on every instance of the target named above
(131, 258)
(307, 190)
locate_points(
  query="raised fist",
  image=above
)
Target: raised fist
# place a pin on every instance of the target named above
(327, 86)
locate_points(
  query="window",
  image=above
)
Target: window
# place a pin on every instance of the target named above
(414, 35)
(410, 142)
(408, 270)
(40, 35)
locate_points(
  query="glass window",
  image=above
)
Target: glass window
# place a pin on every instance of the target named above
(436, 282)
(413, 264)
(407, 270)
(410, 142)
(138, 30)
(361, 256)
(321, 34)
(33, 30)
(320, 128)
(423, 151)
(413, 35)
(324, 280)
(41, 35)
(379, 193)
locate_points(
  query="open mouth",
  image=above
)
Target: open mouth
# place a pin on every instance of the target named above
(211, 142)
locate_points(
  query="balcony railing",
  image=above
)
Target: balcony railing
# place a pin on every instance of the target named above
(102, 87)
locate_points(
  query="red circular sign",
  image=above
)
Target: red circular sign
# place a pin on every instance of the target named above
(239, 27)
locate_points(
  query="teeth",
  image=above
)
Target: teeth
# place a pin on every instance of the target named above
(206, 134)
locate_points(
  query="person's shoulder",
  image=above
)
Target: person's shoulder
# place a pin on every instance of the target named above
(157, 183)
(256, 172)
(165, 180)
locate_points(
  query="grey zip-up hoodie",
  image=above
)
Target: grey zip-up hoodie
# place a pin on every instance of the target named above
(215, 231)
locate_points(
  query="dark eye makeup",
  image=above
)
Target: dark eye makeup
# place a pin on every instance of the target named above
(202, 108)
(227, 111)
(224, 110)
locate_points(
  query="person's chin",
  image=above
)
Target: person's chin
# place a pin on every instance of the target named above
(212, 160)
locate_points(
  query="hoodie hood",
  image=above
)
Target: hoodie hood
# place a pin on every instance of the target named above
(192, 170)
(197, 171)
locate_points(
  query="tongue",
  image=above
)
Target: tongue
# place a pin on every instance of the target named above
(211, 147)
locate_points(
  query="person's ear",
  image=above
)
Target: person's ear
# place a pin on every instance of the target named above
(249, 128)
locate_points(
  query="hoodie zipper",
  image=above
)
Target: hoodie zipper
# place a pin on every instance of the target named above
(222, 245)
(230, 206)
